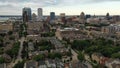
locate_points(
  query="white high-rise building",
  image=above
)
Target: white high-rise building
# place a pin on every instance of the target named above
(40, 14)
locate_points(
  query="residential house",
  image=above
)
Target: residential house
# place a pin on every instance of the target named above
(30, 46)
(113, 63)
(96, 57)
(42, 64)
(3, 65)
(30, 64)
(81, 65)
(51, 63)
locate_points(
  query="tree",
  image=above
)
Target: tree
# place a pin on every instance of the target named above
(20, 33)
(54, 55)
(80, 44)
(25, 33)
(14, 51)
(2, 60)
(19, 65)
(81, 56)
(107, 51)
(39, 57)
(10, 33)
(48, 34)
(12, 37)
(116, 55)
(69, 53)
(1, 41)
(91, 49)
(97, 66)
(1, 50)
(43, 45)
(25, 50)
(67, 40)
(58, 55)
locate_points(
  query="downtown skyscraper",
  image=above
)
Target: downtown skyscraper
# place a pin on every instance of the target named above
(26, 14)
(40, 14)
(52, 17)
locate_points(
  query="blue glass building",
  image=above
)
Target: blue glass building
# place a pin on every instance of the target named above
(27, 14)
(52, 16)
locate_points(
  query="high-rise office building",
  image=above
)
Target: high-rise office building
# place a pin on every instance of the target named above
(52, 16)
(40, 14)
(27, 16)
(88, 16)
(82, 17)
(107, 16)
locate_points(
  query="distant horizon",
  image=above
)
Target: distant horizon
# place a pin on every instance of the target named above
(66, 15)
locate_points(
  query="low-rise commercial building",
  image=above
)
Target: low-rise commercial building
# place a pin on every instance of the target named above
(70, 33)
(34, 28)
(6, 27)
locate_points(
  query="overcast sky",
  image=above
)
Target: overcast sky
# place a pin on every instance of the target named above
(70, 7)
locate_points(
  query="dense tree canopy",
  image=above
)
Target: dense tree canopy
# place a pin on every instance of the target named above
(115, 55)
(15, 49)
(43, 45)
(49, 34)
(54, 55)
(81, 56)
(39, 57)
(80, 44)
(100, 45)
(19, 65)
(2, 60)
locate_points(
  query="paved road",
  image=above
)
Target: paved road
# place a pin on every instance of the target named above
(74, 57)
(21, 48)
(19, 58)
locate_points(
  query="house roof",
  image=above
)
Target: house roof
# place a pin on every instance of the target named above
(31, 64)
(3, 65)
(41, 62)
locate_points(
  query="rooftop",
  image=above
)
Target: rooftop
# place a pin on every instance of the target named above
(69, 29)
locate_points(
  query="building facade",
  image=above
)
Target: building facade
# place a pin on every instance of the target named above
(26, 14)
(82, 17)
(4, 28)
(70, 33)
(40, 13)
(34, 17)
(52, 16)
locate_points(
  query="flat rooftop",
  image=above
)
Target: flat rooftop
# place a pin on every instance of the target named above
(69, 29)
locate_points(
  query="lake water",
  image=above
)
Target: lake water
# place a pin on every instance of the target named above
(2, 19)
(5, 18)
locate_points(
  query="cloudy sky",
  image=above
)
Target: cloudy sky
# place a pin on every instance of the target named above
(70, 7)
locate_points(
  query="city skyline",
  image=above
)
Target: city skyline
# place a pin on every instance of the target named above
(70, 7)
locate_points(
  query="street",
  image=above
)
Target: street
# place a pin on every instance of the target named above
(19, 58)
(74, 56)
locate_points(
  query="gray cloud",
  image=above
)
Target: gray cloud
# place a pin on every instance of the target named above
(16, 5)
(98, 1)
(52, 2)
(13, 0)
